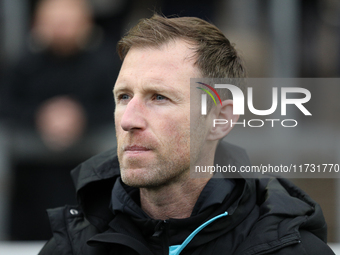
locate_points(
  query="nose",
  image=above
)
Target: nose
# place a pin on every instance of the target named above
(134, 116)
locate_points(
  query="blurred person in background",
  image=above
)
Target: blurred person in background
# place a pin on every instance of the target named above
(56, 96)
(58, 90)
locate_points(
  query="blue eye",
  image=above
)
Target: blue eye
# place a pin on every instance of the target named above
(124, 97)
(160, 97)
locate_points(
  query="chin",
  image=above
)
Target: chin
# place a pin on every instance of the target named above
(139, 178)
(147, 180)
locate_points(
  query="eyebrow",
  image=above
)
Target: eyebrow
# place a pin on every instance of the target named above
(153, 87)
(156, 85)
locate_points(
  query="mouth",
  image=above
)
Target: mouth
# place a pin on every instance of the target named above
(136, 149)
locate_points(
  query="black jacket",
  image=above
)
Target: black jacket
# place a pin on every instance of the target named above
(87, 77)
(232, 216)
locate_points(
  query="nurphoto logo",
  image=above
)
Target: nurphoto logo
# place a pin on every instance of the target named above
(239, 104)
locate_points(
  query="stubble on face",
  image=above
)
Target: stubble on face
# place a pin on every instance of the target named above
(166, 166)
(163, 130)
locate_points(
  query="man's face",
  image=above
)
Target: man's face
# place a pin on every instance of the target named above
(152, 115)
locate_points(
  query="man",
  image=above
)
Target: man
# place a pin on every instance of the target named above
(147, 203)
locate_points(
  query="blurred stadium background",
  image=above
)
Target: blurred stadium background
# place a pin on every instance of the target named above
(286, 39)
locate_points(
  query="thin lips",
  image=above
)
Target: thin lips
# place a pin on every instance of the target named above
(136, 148)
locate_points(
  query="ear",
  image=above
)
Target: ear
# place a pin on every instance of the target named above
(222, 116)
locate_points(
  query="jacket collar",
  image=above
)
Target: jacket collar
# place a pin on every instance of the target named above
(95, 178)
(262, 205)
(100, 167)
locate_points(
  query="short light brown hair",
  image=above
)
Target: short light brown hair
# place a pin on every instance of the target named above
(216, 56)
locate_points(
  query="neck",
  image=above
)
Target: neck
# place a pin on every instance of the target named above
(175, 200)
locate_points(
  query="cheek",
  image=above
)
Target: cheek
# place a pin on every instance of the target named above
(177, 133)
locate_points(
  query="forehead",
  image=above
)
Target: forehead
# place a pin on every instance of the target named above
(171, 63)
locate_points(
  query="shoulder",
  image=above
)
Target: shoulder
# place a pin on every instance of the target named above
(71, 230)
(314, 245)
(72, 226)
(309, 244)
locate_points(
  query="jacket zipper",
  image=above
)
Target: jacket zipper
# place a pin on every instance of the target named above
(165, 241)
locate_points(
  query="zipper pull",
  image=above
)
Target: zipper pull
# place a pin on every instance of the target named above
(159, 228)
